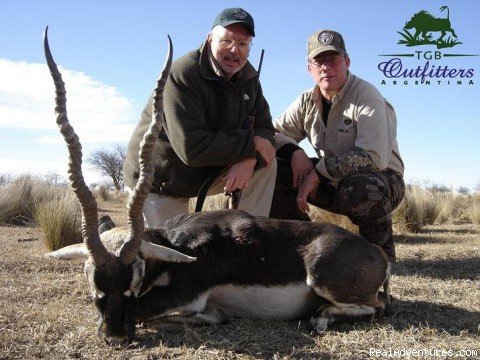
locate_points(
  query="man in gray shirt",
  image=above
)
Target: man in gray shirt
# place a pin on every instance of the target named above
(353, 129)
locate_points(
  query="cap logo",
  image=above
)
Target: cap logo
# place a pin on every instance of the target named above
(325, 38)
(240, 14)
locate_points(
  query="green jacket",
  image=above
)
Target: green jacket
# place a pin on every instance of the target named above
(204, 116)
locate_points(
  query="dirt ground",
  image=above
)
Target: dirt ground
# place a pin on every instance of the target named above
(46, 312)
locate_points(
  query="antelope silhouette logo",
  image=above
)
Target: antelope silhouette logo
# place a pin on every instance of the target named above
(425, 25)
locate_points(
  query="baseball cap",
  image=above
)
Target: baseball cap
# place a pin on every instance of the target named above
(231, 16)
(325, 40)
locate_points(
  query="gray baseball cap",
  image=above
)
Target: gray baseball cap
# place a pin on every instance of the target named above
(323, 41)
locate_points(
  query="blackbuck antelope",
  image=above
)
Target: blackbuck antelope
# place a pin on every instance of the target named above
(208, 267)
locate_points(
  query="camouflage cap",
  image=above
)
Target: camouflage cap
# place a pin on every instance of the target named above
(325, 40)
(231, 16)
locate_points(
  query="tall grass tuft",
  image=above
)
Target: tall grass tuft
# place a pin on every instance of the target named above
(16, 201)
(60, 220)
(422, 207)
(427, 206)
(414, 211)
(473, 211)
(19, 198)
(29, 200)
(14, 205)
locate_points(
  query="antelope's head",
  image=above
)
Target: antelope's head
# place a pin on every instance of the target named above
(115, 274)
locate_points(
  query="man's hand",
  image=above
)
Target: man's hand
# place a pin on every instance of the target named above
(239, 174)
(301, 167)
(307, 188)
(265, 149)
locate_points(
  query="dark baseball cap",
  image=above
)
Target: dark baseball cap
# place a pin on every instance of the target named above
(231, 16)
(323, 41)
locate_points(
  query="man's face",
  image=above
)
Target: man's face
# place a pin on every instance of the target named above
(329, 71)
(230, 47)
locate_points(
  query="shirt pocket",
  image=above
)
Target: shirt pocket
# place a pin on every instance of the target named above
(346, 135)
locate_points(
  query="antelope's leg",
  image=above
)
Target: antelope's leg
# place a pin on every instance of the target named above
(208, 317)
(328, 314)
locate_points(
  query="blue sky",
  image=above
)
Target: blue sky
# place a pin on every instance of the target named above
(110, 53)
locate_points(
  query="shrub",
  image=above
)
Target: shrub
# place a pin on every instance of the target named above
(59, 218)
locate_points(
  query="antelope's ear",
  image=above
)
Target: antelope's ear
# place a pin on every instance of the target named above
(71, 252)
(152, 251)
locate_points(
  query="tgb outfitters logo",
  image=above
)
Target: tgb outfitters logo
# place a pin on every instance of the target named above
(425, 24)
(426, 66)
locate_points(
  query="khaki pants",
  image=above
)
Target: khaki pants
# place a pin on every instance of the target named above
(256, 198)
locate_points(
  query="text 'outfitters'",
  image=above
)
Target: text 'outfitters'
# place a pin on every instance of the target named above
(394, 68)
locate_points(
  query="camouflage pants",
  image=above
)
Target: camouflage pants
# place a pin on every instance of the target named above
(366, 199)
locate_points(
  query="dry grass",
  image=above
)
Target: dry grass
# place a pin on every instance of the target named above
(16, 200)
(60, 220)
(418, 208)
(101, 192)
(421, 207)
(46, 312)
(28, 200)
(473, 211)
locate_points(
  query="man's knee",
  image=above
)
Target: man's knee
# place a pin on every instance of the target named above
(364, 195)
(159, 208)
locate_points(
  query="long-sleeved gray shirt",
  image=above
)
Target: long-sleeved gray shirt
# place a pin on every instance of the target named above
(360, 135)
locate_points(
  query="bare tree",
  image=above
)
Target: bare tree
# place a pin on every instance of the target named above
(7, 179)
(53, 178)
(463, 190)
(110, 163)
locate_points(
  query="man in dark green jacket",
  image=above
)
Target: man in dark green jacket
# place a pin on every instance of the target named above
(209, 97)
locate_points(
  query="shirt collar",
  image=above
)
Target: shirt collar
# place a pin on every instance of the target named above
(317, 95)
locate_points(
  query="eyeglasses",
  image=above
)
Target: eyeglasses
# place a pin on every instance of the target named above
(227, 43)
(324, 60)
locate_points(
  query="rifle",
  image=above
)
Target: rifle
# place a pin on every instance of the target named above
(234, 196)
